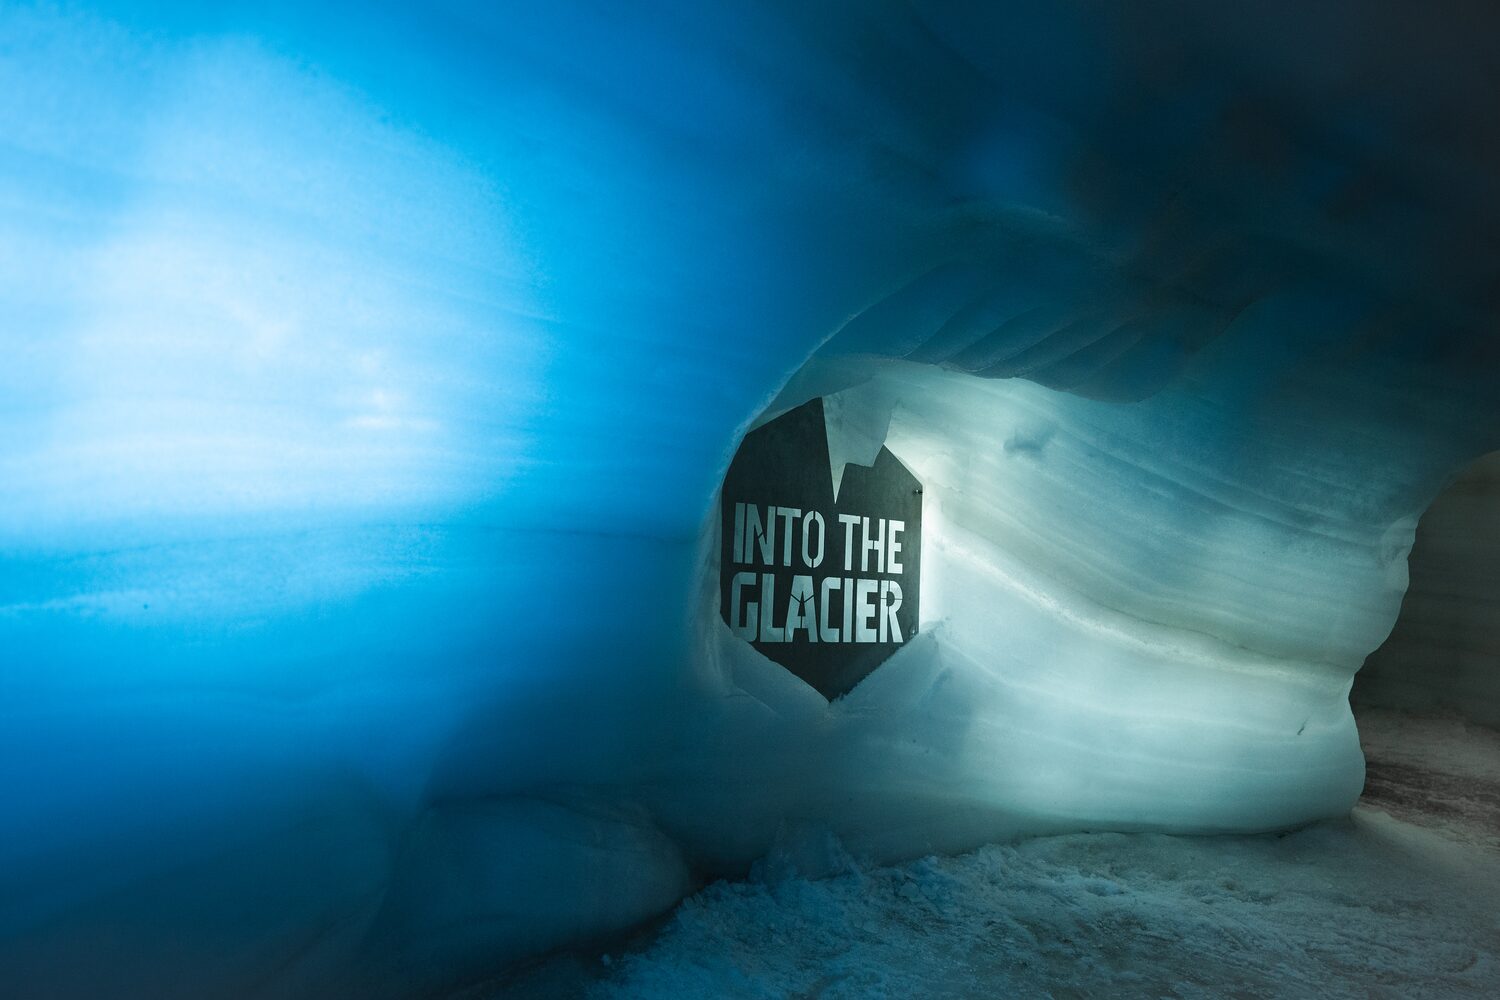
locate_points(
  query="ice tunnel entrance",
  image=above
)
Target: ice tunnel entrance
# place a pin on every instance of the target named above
(1444, 652)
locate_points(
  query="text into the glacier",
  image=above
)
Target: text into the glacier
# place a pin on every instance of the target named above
(844, 608)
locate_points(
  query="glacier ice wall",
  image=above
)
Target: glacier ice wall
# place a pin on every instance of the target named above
(1444, 652)
(368, 376)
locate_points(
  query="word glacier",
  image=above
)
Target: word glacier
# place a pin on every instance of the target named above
(820, 606)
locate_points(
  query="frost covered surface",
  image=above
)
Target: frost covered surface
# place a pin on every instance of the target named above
(1331, 911)
(1389, 902)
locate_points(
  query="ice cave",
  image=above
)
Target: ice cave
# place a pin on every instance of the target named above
(749, 500)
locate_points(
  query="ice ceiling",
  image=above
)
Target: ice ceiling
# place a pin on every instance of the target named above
(368, 378)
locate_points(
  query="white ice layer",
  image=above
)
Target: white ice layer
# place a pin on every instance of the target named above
(1118, 634)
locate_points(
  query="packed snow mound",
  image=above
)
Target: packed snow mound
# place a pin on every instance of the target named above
(369, 376)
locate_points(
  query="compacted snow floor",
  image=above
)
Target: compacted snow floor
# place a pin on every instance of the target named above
(1402, 899)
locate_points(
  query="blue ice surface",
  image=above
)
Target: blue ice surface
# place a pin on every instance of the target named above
(363, 399)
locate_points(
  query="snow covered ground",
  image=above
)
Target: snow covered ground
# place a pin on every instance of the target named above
(1402, 899)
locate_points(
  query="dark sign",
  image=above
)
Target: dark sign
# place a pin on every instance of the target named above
(827, 587)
